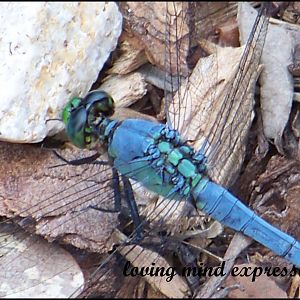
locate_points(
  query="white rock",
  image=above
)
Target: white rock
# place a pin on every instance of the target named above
(50, 52)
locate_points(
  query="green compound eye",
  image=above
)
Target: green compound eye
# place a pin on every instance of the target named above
(79, 116)
(99, 102)
(71, 105)
(74, 118)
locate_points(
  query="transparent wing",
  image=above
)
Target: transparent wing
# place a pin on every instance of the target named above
(53, 203)
(66, 215)
(214, 105)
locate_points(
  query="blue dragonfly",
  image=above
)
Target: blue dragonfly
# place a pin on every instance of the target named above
(157, 156)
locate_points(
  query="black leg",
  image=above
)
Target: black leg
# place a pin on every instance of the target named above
(116, 184)
(129, 197)
(81, 161)
(117, 194)
(116, 187)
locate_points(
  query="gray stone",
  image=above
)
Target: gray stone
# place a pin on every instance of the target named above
(49, 53)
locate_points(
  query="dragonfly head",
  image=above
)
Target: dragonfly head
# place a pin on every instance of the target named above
(82, 115)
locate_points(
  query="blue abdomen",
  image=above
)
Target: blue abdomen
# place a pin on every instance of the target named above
(216, 201)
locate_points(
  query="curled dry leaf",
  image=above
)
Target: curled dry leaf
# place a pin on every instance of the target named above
(141, 257)
(145, 25)
(146, 21)
(276, 81)
(276, 194)
(130, 59)
(64, 214)
(291, 12)
(31, 267)
(262, 287)
(203, 100)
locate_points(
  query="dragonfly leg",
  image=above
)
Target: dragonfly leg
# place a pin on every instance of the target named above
(117, 194)
(82, 161)
(92, 160)
(116, 187)
(129, 197)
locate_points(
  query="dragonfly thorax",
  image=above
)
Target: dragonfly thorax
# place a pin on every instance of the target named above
(156, 156)
(176, 161)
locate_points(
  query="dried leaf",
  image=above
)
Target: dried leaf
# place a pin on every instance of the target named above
(64, 214)
(130, 60)
(31, 267)
(146, 21)
(125, 89)
(276, 81)
(262, 287)
(276, 194)
(202, 97)
(142, 257)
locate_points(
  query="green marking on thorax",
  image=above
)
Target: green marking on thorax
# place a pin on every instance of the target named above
(187, 168)
(164, 147)
(170, 169)
(174, 157)
(196, 179)
(156, 135)
(185, 149)
(186, 191)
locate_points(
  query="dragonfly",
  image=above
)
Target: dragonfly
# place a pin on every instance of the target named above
(158, 156)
